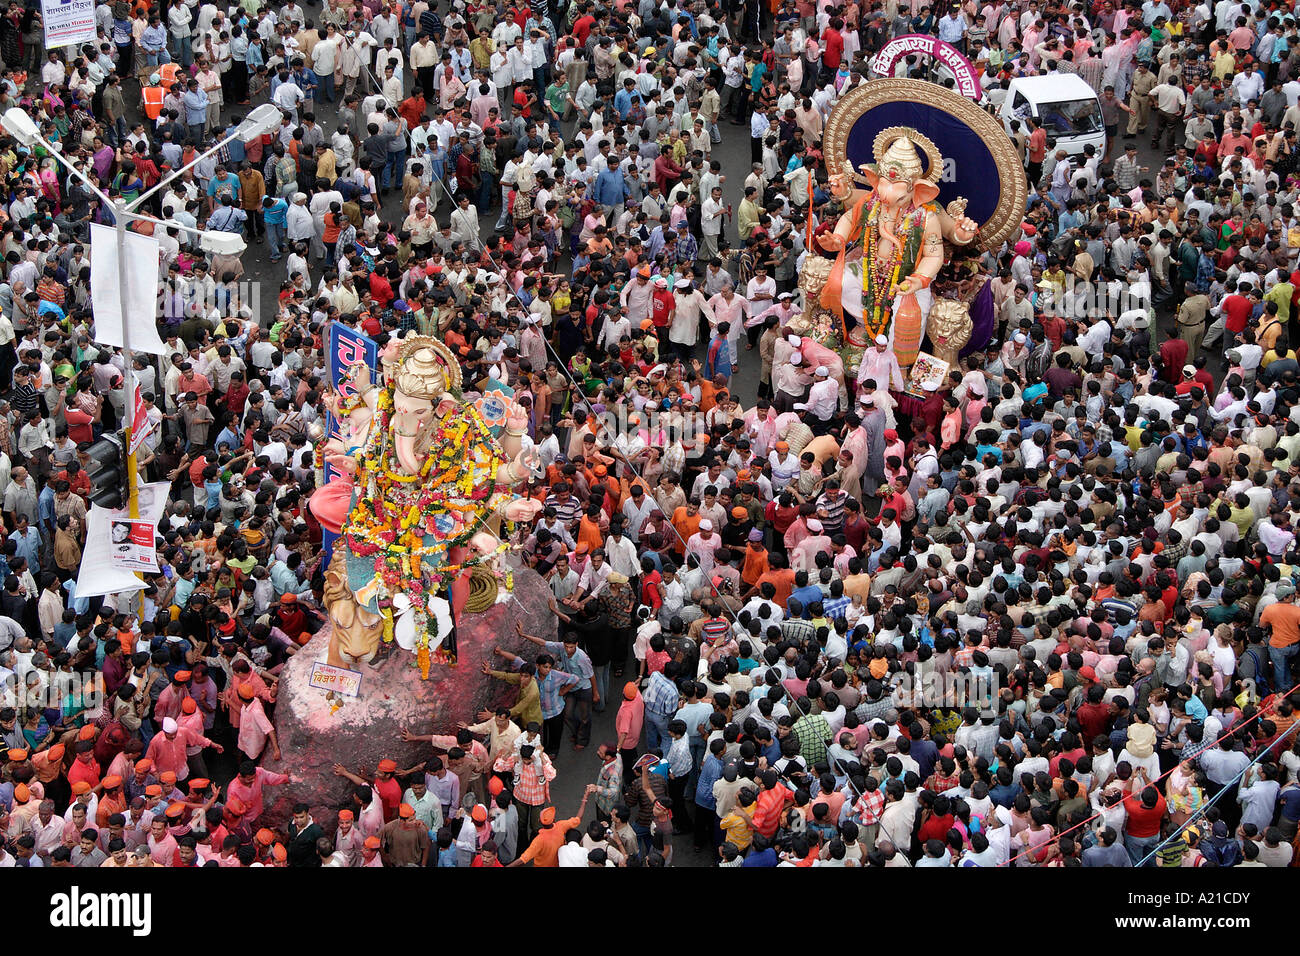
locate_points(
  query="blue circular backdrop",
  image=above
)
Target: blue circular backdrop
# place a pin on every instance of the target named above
(975, 171)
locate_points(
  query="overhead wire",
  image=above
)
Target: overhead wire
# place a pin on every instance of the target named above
(1229, 733)
(1205, 807)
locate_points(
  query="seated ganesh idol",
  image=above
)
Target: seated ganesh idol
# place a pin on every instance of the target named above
(428, 478)
(889, 245)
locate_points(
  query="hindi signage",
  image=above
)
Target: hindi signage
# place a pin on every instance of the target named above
(340, 680)
(347, 347)
(68, 22)
(963, 71)
(133, 544)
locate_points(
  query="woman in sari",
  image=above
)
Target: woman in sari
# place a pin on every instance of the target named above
(102, 160)
(1184, 793)
(49, 178)
(52, 99)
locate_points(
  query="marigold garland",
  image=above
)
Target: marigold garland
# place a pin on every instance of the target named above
(395, 513)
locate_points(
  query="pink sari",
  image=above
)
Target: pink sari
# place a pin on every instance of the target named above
(50, 188)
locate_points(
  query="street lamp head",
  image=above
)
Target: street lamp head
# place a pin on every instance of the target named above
(222, 243)
(22, 127)
(263, 119)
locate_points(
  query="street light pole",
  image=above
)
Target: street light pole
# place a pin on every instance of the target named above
(24, 128)
(128, 363)
(258, 121)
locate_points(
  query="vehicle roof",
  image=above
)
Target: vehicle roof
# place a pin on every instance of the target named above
(1047, 89)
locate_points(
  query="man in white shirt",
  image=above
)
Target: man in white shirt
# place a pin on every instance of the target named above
(823, 401)
(712, 214)
(287, 96)
(759, 126)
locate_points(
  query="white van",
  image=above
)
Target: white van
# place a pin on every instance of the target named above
(1064, 104)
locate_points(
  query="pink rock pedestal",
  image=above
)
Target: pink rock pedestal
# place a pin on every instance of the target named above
(368, 728)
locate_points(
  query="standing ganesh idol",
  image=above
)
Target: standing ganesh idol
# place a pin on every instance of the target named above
(890, 242)
(428, 478)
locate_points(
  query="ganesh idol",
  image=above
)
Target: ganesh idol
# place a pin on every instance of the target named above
(427, 479)
(890, 242)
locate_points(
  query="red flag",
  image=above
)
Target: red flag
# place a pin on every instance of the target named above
(140, 424)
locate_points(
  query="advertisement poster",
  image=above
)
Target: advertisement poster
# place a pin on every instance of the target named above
(100, 574)
(68, 22)
(132, 544)
(927, 375)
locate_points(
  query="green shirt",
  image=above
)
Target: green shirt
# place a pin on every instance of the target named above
(557, 97)
(1281, 294)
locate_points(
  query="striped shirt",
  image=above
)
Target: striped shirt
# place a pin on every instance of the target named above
(797, 630)
(565, 511)
(834, 607)
(548, 689)
(680, 763)
(579, 665)
(661, 696)
(24, 399)
(715, 629)
(833, 523)
(869, 710)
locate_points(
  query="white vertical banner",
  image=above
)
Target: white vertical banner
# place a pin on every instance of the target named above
(101, 572)
(141, 289)
(68, 22)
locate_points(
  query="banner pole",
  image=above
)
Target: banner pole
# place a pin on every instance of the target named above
(128, 372)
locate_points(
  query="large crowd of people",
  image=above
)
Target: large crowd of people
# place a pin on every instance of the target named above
(1044, 615)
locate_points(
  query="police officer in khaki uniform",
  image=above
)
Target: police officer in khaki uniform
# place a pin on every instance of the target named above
(1144, 81)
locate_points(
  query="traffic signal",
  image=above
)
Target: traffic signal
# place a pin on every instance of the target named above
(106, 470)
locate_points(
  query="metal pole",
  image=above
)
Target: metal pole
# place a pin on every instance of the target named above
(128, 375)
(106, 200)
(120, 217)
(175, 174)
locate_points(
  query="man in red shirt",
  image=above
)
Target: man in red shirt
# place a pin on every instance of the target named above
(938, 821)
(80, 424)
(192, 381)
(581, 28)
(76, 477)
(1194, 376)
(832, 45)
(1235, 309)
(1093, 716)
(389, 790)
(524, 99)
(1146, 810)
(411, 109)
(487, 853)
(1173, 354)
(237, 395)
(1037, 149)
(662, 306)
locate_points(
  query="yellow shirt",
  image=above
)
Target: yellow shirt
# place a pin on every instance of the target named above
(737, 829)
(1243, 518)
(1272, 356)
